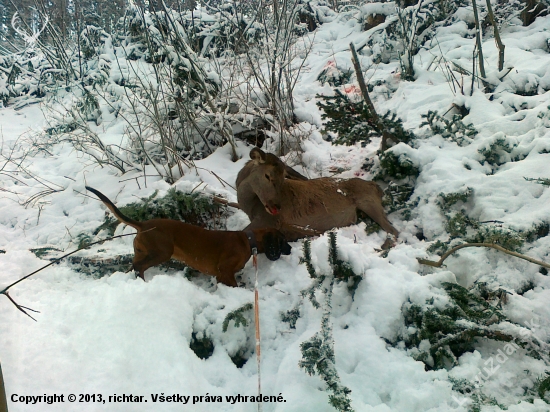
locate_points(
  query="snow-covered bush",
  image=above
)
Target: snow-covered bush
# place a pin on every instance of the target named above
(26, 78)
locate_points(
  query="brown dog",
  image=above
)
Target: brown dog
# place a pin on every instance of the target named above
(212, 252)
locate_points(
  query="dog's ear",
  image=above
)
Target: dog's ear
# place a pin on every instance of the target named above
(257, 155)
(275, 245)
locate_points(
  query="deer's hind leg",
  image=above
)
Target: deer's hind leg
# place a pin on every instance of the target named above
(369, 200)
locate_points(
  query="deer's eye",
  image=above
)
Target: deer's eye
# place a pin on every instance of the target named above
(267, 177)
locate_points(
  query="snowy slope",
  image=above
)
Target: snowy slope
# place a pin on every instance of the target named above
(120, 335)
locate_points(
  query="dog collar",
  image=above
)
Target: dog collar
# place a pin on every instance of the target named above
(251, 240)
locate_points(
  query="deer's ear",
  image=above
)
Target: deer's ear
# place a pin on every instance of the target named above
(292, 174)
(258, 155)
(273, 160)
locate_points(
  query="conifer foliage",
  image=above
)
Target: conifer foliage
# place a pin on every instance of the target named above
(353, 123)
(452, 331)
(192, 208)
(318, 352)
(471, 314)
(439, 331)
(238, 316)
(453, 129)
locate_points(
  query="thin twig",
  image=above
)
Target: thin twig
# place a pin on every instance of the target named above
(490, 245)
(508, 70)
(133, 178)
(22, 308)
(217, 177)
(226, 202)
(196, 187)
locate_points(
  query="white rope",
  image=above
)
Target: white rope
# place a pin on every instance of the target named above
(257, 323)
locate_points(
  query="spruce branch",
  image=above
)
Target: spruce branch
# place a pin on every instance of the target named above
(489, 245)
(539, 180)
(307, 259)
(237, 316)
(318, 352)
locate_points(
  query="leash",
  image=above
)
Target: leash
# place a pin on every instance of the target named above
(254, 248)
(257, 323)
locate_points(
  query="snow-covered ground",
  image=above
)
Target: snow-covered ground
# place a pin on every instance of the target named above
(120, 335)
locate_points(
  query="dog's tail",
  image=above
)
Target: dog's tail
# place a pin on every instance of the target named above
(118, 214)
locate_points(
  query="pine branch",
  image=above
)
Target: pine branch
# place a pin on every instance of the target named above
(318, 352)
(540, 180)
(307, 259)
(237, 316)
(333, 250)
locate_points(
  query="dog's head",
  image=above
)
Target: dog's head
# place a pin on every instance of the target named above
(275, 245)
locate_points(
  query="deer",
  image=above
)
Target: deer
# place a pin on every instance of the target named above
(274, 195)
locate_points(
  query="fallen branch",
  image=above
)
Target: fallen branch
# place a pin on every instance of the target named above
(24, 308)
(362, 84)
(489, 245)
(500, 45)
(479, 47)
(365, 92)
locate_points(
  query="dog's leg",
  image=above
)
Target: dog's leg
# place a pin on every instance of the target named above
(151, 248)
(142, 264)
(228, 278)
(230, 264)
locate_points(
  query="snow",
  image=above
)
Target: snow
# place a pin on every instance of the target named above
(120, 335)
